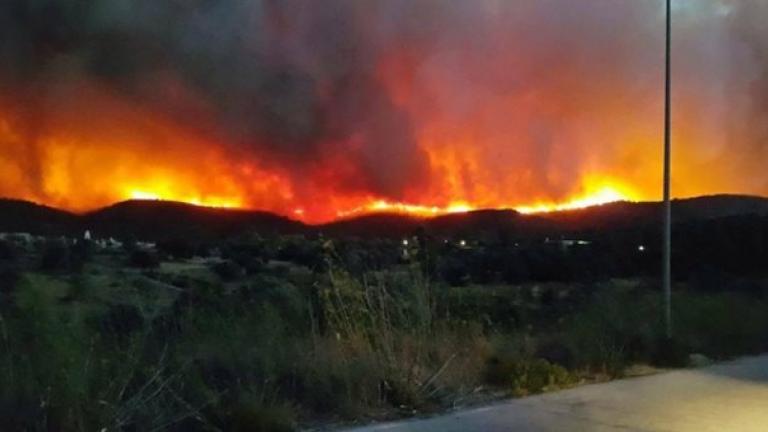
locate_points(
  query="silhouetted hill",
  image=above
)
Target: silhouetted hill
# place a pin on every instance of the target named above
(24, 216)
(163, 219)
(621, 215)
(373, 225)
(473, 223)
(166, 219)
(488, 223)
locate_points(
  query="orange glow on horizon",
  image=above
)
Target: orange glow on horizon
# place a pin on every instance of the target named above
(81, 173)
(597, 193)
(605, 194)
(215, 202)
(470, 139)
(384, 206)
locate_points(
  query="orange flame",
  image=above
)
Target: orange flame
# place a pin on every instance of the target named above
(605, 194)
(80, 174)
(101, 148)
(597, 193)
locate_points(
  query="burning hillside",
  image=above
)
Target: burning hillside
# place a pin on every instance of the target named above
(320, 110)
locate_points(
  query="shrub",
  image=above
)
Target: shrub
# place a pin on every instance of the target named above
(454, 271)
(40, 359)
(709, 279)
(9, 277)
(55, 256)
(119, 321)
(250, 416)
(176, 248)
(721, 325)
(616, 328)
(670, 352)
(339, 377)
(143, 259)
(79, 254)
(227, 270)
(80, 287)
(556, 352)
(284, 296)
(7, 251)
(526, 376)
(301, 251)
(391, 349)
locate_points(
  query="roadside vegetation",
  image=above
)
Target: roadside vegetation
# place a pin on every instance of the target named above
(269, 334)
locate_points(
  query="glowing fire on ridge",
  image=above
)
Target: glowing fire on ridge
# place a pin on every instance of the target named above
(412, 117)
(216, 202)
(604, 194)
(384, 206)
(216, 180)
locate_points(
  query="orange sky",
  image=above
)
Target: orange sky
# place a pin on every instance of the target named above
(540, 107)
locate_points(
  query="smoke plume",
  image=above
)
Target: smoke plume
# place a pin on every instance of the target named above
(318, 108)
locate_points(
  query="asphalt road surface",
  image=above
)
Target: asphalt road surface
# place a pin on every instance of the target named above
(726, 397)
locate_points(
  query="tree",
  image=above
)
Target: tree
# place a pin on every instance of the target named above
(55, 256)
(7, 251)
(143, 259)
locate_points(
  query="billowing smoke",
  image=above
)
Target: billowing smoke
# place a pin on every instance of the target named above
(752, 129)
(324, 106)
(289, 81)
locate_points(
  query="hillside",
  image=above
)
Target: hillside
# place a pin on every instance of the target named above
(162, 219)
(620, 215)
(24, 216)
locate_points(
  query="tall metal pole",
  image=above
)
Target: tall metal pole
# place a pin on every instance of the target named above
(667, 240)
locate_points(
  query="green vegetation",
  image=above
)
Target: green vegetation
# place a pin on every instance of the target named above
(269, 335)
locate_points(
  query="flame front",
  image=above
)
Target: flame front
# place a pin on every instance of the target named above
(607, 193)
(328, 111)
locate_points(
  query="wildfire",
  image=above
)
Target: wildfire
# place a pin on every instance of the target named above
(210, 177)
(383, 206)
(603, 193)
(412, 117)
(216, 202)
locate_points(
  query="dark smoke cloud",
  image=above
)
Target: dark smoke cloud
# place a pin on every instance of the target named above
(290, 82)
(749, 23)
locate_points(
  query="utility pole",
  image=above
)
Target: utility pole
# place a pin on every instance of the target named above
(667, 239)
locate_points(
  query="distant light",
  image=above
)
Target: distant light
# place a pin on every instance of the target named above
(463, 243)
(641, 248)
(405, 242)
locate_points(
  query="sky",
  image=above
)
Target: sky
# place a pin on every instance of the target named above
(319, 110)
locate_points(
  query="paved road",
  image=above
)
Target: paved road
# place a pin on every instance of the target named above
(727, 397)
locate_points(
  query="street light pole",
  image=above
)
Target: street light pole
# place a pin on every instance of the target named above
(667, 239)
